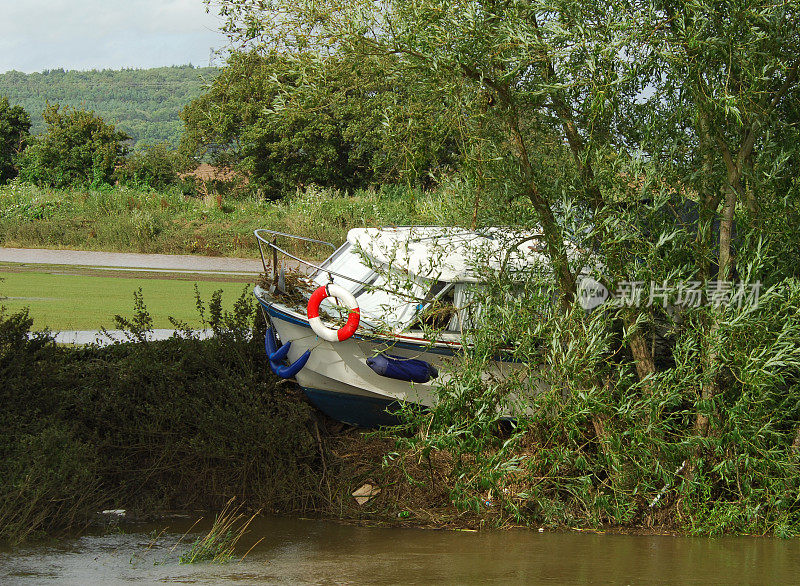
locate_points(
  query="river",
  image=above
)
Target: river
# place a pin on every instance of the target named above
(293, 551)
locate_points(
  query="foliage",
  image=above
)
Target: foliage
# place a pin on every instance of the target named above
(79, 148)
(125, 219)
(671, 129)
(15, 125)
(292, 119)
(153, 165)
(179, 424)
(145, 104)
(593, 445)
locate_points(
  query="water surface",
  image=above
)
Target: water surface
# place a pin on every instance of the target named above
(316, 552)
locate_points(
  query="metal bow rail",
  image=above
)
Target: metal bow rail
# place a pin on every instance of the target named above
(273, 247)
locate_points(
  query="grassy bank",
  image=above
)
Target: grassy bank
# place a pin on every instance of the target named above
(132, 220)
(186, 424)
(72, 298)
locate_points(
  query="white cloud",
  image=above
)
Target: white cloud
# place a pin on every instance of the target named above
(85, 34)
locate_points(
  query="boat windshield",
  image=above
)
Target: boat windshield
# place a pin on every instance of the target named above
(394, 303)
(382, 303)
(450, 307)
(466, 300)
(349, 263)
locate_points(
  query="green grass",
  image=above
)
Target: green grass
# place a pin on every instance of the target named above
(65, 299)
(139, 220)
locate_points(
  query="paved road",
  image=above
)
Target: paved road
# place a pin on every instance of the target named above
(85, 337)
(158, 262)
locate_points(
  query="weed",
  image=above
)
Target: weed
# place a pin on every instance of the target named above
(219, 544)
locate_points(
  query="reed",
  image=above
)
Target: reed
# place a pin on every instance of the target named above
(219, 544)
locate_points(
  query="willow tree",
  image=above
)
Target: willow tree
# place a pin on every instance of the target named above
(644, 105)
(514, 67)
(720, 123)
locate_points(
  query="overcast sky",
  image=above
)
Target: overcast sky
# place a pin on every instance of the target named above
(105, 34)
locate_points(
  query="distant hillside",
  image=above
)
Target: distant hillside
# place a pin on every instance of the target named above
(145, 103)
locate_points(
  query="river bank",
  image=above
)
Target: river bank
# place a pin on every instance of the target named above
(185, 424)
(178, 424)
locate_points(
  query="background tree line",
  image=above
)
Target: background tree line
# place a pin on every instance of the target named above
(281, 121)
(145, 104)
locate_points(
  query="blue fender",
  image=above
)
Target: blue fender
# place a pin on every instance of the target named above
(278, 355)
(269, 342)
(293, 368)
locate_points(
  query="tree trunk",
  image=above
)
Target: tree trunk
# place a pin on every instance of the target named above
(552, 232)
(642, 356)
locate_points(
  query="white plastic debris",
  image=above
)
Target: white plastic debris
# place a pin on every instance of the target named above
(365, 493)
(114, 512)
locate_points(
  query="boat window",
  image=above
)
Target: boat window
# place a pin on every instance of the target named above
(467, 313)
(383, 306)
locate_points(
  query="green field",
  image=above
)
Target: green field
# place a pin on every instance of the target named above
(69, 298)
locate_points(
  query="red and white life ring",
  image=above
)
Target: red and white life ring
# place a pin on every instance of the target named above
(333, 290)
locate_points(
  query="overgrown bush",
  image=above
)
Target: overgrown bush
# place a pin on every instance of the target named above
(179, 424)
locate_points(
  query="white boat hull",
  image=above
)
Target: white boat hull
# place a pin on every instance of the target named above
(338, 379)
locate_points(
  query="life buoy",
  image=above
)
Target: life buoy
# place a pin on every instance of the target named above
(333, 290)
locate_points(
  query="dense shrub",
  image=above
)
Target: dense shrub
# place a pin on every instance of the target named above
(182, 423)
(78, 148)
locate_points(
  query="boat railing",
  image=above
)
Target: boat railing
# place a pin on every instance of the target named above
(269, 239)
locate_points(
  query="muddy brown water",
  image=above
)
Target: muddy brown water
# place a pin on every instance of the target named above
(293, 551)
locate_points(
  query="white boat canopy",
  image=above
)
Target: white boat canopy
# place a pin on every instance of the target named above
(448, 254)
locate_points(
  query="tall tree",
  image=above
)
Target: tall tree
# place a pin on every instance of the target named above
(15, 125)
(519, 70)
(78, 148)
(724, 76)
(293, 118)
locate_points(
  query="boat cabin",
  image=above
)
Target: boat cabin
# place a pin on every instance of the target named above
(412, 278)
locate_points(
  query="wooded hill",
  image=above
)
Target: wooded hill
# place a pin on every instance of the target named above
(143, 103)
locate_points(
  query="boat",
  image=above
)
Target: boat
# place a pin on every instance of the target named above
(406, 305)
